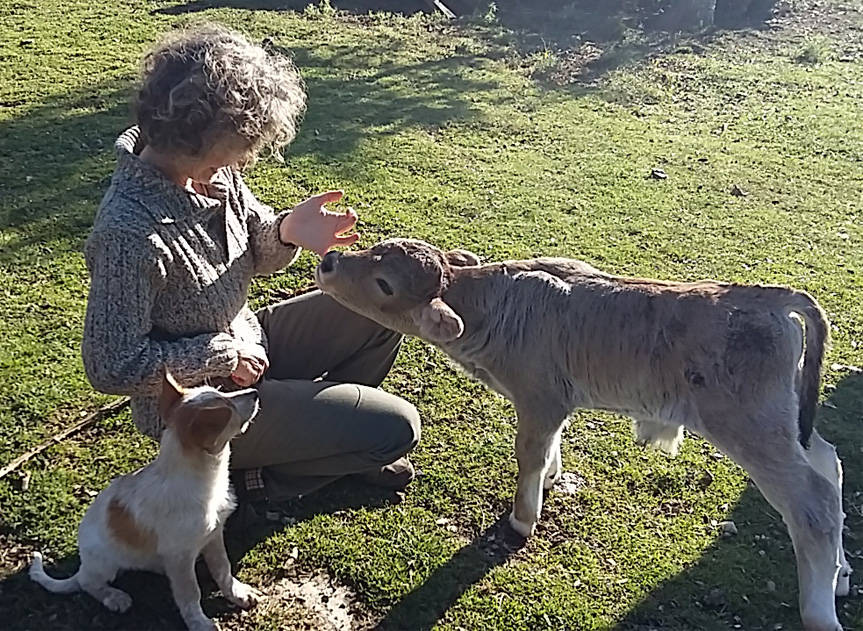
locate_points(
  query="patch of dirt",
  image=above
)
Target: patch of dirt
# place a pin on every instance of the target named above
(331, 604)
(302, 600)
(14, 556)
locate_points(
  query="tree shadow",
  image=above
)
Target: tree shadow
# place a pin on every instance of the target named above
(572, 41)
(55, 161)
(56, 158)
(406, 7)
(749, 581)
(26, 605)
(392, 97)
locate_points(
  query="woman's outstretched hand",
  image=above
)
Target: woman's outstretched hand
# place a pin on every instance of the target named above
(313, 227)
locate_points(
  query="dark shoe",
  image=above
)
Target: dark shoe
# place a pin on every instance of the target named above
(394, 476)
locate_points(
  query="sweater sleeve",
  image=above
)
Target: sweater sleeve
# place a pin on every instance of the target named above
(120, 356)
(270, 254)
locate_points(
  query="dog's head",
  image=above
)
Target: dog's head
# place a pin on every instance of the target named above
(203, 418)
(399, 284)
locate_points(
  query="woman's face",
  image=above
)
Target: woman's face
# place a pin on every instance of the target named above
(230, 152)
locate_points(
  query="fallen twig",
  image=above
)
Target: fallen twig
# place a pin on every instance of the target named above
(102, 412)
(440, 6)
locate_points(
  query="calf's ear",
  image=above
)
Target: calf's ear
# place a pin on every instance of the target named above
(462, 258)
(437, 322)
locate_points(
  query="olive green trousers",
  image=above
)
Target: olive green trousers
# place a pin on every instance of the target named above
(322, 415)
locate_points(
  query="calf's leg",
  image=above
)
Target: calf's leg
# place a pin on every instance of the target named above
(535, 448)
(822, 456)
(766, 446)
(555, 467)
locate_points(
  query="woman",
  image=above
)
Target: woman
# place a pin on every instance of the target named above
(175, 244)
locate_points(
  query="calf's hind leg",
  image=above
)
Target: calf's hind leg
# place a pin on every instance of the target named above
(809, 503)
(555, 467)
(822, 456)
(535, 447)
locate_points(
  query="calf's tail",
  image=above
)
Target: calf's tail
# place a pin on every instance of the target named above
(817, 332)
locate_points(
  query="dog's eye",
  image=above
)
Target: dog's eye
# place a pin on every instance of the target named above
(385, 286)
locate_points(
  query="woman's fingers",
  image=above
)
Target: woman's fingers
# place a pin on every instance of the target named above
(345, 223)
(328, 197)
(348, 239)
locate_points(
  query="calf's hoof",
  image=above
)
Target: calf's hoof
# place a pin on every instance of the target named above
(523, 528)
(810, 623)
(550, 481)
(843, 583)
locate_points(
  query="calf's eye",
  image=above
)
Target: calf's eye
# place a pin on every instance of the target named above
(385, 286)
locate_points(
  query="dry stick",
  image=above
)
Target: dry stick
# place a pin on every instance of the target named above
(102, 412)
(440, 6)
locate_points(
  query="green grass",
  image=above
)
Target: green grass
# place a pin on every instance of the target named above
(446, 132)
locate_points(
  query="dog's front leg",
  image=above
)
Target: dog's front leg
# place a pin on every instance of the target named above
(217, 561)
(180, 569)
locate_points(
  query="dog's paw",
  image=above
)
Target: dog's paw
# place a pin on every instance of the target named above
(244, 595)
(117, 600)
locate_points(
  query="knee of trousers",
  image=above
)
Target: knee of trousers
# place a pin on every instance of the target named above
(399, 430)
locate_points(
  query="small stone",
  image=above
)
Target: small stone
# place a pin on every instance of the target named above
(737, 191)
(728, 528)
(658, 174)
(25, 481)
(771, 586)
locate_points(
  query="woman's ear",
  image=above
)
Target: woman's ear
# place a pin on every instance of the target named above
(437, 322)
(462, 258)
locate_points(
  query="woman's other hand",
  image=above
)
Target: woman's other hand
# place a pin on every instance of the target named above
(252, 365)
(315, 228)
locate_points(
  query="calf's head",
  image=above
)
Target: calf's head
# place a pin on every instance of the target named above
(399, 284)
(204, 419)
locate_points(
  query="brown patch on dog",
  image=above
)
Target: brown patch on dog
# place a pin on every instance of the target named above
(122, 526)
(198, 430)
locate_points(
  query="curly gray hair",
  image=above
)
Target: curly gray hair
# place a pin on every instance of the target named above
(201, 85)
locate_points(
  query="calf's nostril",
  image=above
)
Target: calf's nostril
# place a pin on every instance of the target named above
(328, 263)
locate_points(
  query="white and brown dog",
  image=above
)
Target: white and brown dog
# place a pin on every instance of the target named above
(161, 517)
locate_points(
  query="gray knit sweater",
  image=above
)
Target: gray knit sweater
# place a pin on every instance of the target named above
(170, 271)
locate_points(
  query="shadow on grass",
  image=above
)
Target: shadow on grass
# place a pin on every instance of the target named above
(749, 580)
(55, 162)
(56, 158)
(406, 7)
(421, 609)
(570, 41)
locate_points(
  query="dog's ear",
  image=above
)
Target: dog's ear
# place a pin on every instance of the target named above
(200, 427)
(172, 393)
(462, 258)
(437, 321)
